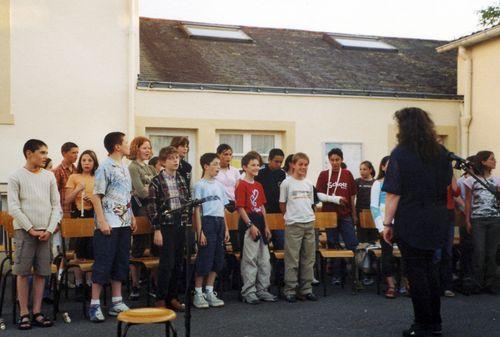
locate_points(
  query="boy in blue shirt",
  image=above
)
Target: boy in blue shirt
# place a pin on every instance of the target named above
(114, 225)
(211, 230)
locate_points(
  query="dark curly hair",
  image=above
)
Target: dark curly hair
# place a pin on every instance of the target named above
(417, 132)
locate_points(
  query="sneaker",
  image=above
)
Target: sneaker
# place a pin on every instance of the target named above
(134, 294)
(291, 298)
(315, 282)
(251, 299)
(449, 293)
(117, 308)
(200, 301)
(213, 300)
(368, 281)
(402, 290)
(266, 296)
(417, 331)
(95, 314)
(336, 281)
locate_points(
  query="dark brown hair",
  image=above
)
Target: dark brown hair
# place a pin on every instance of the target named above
(112, 139)
(248, 157)
(167, 152)
(417, 133)
(179, 141)
(92, 155)
(66, 147)
(381, 172)
(478, 161)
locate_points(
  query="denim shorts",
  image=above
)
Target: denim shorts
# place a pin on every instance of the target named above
(211, 257)
(111, 255)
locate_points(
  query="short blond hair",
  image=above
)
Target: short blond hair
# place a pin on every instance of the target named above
(299, 155)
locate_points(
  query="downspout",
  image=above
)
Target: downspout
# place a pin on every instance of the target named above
(466, 115)
(132, 65)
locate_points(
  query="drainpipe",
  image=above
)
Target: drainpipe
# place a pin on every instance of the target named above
(466, 113)
(132, 65)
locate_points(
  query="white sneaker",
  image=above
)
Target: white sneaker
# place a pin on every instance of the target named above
(117, 308)
(213, 300)
(200, 301)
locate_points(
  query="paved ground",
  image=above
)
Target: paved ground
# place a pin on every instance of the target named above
(340, 314)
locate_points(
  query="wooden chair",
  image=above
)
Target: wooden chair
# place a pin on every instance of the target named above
(233, 253)
(147, 262)
(76, 228)
(7, 223)
(328, 220)
(146, 316)
(366, 221)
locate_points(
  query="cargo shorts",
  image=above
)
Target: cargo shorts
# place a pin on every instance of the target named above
(31, 256)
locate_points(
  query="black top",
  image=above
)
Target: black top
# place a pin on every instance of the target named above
(363, 195)
(185, 171)
(271, 181)
(421, 217)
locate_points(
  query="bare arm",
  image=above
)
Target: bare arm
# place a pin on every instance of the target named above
(283, 207)
(467, 210)
(99, 212)
(391, 206)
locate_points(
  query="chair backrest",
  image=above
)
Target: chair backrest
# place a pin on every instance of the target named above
(7, 221)
(232, 219)
(275, 221)
(143, 226)
(366, 219)
(326, 220)
(77, 228)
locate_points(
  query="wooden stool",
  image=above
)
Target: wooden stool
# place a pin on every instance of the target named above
(146, 316)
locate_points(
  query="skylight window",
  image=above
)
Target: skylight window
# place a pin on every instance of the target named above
(225, 33)
(354, 42)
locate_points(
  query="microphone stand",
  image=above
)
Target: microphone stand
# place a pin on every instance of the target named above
(186, 211)
(466, 168)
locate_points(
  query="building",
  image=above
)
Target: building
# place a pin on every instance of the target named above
(75, 72)
(478, 80)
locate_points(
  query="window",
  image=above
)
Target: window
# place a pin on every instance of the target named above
(353, 155)
(353, 42)
(230, 33)
(242, 143)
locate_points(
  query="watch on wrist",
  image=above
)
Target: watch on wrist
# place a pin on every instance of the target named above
(388, 225)
(249, 224)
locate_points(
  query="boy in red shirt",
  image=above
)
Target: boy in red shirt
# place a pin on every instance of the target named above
(337, 190)
(254, 235)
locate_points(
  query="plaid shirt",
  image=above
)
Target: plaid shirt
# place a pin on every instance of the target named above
(166, 189)
(62, 174)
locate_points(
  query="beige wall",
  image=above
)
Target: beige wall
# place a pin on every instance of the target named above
(305, 121)
(485, 125)
(69, 75)
(5, 115)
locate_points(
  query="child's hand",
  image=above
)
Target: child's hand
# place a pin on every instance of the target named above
(104, 228)
(268, 234)
(468, 227)
(34, 232)
(80, 187)
(254, 232)
(158, 238)
(343, 201)
(202, 241)
(133, 225)
(226, 236)
(44, 236)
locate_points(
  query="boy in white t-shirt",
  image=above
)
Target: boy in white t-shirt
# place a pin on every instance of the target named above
(296, 201)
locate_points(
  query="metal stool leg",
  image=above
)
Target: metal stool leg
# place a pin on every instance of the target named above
(119, 329)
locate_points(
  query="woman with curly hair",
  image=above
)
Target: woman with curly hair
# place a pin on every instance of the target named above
(416, 216)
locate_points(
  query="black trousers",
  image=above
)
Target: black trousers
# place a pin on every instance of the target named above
(170, 266)
(423, 276)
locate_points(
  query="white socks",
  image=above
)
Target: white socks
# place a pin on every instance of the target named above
(209, 289)
(95, 302)
(116, 300)
(198, 291)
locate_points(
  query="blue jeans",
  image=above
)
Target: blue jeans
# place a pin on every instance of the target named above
(345, 227)
(444, 257)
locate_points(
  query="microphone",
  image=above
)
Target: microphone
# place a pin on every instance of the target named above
(191, 203)
(459, 160)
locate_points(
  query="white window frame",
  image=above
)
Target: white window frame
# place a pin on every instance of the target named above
(191, 134)
(247, 140)
(353, 167)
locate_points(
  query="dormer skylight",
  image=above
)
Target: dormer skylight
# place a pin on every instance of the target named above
(216, 32)
(359, 42)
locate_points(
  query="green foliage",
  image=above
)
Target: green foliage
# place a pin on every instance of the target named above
(490, 16)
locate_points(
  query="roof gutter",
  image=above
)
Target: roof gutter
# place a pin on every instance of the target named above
(151, 85)
(471, 39)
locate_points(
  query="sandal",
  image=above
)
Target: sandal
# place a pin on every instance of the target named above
(390, 293)
(24, 322)
(41, 321)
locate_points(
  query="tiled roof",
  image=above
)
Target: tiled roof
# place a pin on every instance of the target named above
(294, 59)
